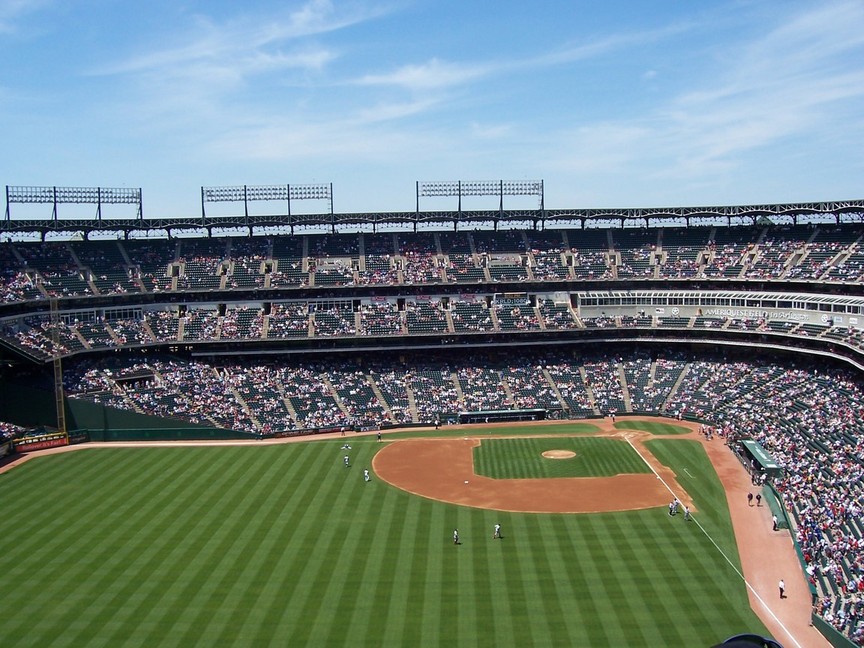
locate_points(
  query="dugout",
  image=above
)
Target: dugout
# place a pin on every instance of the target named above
(754, 452)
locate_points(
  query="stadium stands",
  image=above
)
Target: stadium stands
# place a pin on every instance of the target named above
(433, 291)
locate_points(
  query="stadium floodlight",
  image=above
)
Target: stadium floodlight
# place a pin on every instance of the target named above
(223, 194)
(265, 193)
(460, 188)
(311, 192)
(73, 195)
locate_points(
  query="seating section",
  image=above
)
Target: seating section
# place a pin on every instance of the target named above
(547, 250)
(248, 268)
(202, 264)
(106, 266)
(241, 323)
(153, 261)
(289, 266)
(481, 389)
(589, 250)
(556, 315)
(521, 317)
(33, 270)
(200, 324)
(778, 250)
(471, 317)
(288, 320)
(811, 421)
(425, 317)
(381, 318)
(636, 248)
(333, 320)
(683, 251)
(379, 264)
(421, 262)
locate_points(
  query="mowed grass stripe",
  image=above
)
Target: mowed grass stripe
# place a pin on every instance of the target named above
(580, 605)
(442, 522)
(636, 553)
(548, 615)
(37, 512)
(614, 618)
(497, 558)
(89, 563)
(307, 499)
(132, 571)
(425, 538)
(393, 608)
(367, 571)
(523, 458)
(321, 548)
(348, 559)
(514, 584)
(565, 613)
(258, 585)
(657, 572)
(201, 548)
(257, 541)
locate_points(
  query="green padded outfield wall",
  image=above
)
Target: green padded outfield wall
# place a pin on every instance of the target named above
(30, 406)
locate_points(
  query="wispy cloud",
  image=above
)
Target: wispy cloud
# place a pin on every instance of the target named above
(11, 11)
(784, 85)
(436, 73)
(246, 39)
(205, 80)
(430, 75)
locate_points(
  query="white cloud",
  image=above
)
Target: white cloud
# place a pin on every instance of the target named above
(430, 75)
(11, 11)
(247, 45)
(782, 88)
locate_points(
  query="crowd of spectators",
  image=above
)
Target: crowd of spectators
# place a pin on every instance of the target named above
(811, 420)
(33, 270)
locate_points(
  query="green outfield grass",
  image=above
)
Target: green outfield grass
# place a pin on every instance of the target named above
(523, 458)
(283, 546)
(654, 427)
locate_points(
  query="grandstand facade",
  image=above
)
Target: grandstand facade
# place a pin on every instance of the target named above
(748, 319)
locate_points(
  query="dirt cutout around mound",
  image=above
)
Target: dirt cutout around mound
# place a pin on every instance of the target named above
(558, 454)
(443, 469)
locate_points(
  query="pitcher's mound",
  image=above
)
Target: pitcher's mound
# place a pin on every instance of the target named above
(559, 454)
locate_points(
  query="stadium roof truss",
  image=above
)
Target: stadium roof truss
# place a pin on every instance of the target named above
(539, 218)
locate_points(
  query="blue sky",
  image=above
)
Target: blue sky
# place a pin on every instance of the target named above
(613, 104)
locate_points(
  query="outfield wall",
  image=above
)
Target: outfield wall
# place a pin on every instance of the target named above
(32, 407)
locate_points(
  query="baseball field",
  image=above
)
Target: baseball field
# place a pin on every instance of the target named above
(283, 545)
